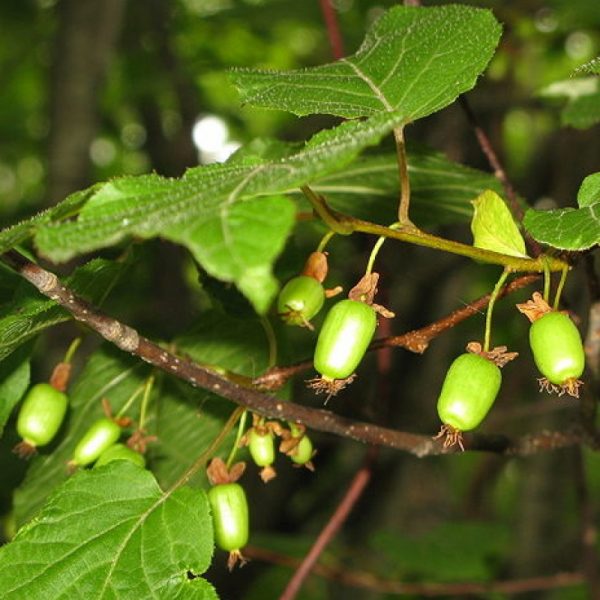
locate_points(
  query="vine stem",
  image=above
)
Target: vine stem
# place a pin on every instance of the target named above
(353, 493)
(346, 224)
(333, 31)
(490, 309)
(129, 340)
(238, 437)
(71, 350)
(145, 401)
(130, 401)
(559, 289)
(325, 240)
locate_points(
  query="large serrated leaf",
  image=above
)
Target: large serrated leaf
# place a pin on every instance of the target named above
(494, 228)
(570, 228)
(112, 533)
(201, 210)
(15, 235)
(441, 190)
(413, 60)
(30, 313)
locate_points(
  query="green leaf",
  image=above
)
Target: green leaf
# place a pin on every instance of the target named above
(14, 381)
(112, 533)
(188, 419)
(441, 190)
(413, 60)
(592, 67)
(30, 312)
(216, 210)
(582, 109)
(589, 192)
(570, 228)
(494, 228)
(15, 235)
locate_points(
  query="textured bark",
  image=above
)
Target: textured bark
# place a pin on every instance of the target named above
(86, 37)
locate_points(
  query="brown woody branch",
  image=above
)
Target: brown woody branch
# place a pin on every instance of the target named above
(368, 581)
(128, 339)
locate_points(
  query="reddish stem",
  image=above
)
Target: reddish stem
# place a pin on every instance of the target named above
(333, 30)
(353, 493)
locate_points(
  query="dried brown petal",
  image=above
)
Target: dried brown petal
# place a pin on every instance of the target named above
(535, 308)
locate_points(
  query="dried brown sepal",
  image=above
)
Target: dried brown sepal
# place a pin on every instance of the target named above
(451, 436)
(107, 408)
(366, 289)
(308, 465)
(139, 440)
(24, 450)
(217, 472)
(267, 473)
(331, 387)
(236, 471)
(383, 311)
(331, 292)
(262, 427)
(570, 387)
(236, 558)
(498, 355)
(60, 377)
(535, 308)
(316, 266)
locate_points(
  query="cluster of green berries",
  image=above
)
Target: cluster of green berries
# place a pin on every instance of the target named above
(473, 380)
(41, 415)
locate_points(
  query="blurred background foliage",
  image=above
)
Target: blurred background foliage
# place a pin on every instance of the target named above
(93, 89)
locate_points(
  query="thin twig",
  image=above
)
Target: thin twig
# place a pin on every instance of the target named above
(366, 580)
(338, 518)
(345, 224)
(128, 339)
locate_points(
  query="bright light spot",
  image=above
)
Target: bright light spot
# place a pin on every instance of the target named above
(102, 152)
(133, 136)
(210, 134)
(545, 20)
(579, 45)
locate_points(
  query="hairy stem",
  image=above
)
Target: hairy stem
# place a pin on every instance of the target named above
(346, 224)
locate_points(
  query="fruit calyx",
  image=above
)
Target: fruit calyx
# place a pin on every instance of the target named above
(365, 291)
(498, 355)
(535, 308)
(218, 473)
